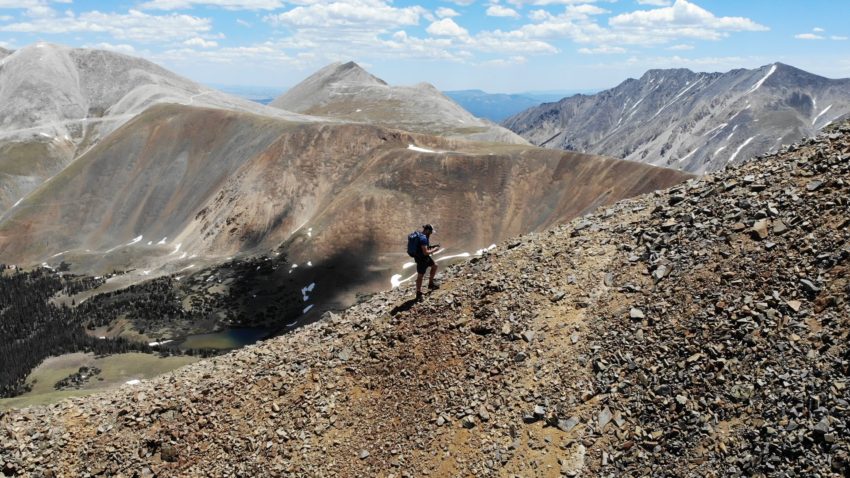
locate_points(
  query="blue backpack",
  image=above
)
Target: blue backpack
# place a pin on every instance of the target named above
(414, 243)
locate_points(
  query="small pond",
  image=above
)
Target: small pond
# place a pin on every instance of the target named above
(225, 339)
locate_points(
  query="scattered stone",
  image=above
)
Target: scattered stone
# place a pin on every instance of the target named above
(636, 314)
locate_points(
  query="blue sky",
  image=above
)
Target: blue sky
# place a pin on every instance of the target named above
(494, 45)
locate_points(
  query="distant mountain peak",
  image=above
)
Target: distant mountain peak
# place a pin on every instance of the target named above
(349, 72)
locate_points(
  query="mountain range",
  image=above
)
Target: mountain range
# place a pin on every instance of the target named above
(696, 122)
(161, 176)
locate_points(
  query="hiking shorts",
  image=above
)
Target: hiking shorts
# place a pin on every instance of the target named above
(423, 263)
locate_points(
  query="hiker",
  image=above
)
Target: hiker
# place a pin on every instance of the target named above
(422, 256)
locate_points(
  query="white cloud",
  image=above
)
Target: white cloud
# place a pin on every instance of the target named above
(198, 41)
(357, 14)
(445, 12)
(134, 25)
(500, 11)
(808, 36)
(447, 27)
(520, 3)
(120, 48)
(818, 30)
(226, 4)
(602, 50)
(655, 3)
(684, 19)
(244, 23)
(504, 62)
(463, 3)
(838, 38)
(5, 18)
(681, 47)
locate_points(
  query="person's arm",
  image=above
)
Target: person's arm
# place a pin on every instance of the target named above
(428, 250)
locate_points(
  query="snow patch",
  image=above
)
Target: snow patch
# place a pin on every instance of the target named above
(821, 114)
(162, 241)
(408, 265)
(676, 97)
(482, 251)
(17, 202)
(742, 146)
(689, 154)
(154, 344)
(57, 255)
(137, 239)
(135, 381)
(177, 249)
(462, 254)
(306, 290)
(761, 81)
(418, 149)
(396, 280)
(717, 128)
(719, 150)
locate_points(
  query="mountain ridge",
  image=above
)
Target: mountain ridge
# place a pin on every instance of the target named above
(666, 116)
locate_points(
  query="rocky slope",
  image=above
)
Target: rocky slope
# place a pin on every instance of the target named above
(699, 331)
(692, 121)
(215, 184)
(56, 102)
(347, 91)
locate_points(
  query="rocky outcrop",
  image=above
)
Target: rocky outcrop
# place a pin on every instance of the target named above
(346, 91)
(696, 122)
(697, 331)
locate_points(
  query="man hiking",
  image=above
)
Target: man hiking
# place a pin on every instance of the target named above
(423, 260)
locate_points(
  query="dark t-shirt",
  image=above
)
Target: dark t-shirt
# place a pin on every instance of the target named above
(423, 241)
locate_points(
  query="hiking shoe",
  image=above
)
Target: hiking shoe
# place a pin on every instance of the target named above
(419, 296)
(433, 286)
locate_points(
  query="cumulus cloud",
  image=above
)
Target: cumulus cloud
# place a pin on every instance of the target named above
(684, 19)
(120, 48)
(359, 14)
(226, 4)
(655, 3)
(198, 41)
(808, 36)
(500, 11)
(681, 47)
(838, 38)
(446, 27)
(602, 50)
(445, 12)
(134, 25)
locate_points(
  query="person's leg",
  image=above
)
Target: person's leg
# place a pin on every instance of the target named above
(433, 273)
(419, 282)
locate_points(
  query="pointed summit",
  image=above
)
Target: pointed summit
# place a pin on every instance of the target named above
(317, 86)
(349, 72)
(347, 92)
